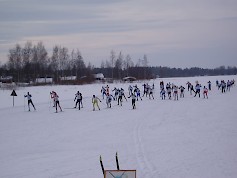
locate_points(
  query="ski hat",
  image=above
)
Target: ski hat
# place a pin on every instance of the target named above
(94, 96)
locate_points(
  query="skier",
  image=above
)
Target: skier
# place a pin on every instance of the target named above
(150, 90)
(175, 92)
(209, 85)
(137, 91)
(57, 104)
(28, 96)
(181, 91)
(130, 90)
(133, 96)
(95, 102)
(198, 88)
(223, 86)
(52, 95)
(189, 84)
(162, 92)
(81, 100)
(103, 91)
(191, 89)
(107, 89)
(115, 93)
(161, 85)
(228, 85)
(217, 83)
(167, 86)
(145, 89)
(120, 96)
(109, 98)
(169, 90)
(78, 99)
(122, 91)
(205, 91)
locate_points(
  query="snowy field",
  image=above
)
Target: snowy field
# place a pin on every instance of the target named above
(188, 138)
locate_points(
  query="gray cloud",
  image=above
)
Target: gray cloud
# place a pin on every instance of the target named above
(170, 32)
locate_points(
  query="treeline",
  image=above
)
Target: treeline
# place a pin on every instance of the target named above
(28, 62)
(191, 72)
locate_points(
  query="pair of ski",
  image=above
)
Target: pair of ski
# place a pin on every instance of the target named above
(102, 166)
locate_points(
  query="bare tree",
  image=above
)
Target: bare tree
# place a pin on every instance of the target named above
(27, 53)
(112, 58)
(63, 59)
(102, 65)
(145, 61)
(119, 64)
(15, 60)
(127, 64)
(42, 55)
(145, 65)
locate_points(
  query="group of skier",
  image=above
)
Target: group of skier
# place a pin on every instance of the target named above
(134, 93)
(172, 88)
(224, 86)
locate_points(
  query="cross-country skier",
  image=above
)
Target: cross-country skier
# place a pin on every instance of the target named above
(107, 89)
(145, 89)
(161, 85)
(223, 86)
(28, 96)
(103, 91)
(189, 84)
(57, 104)
(150, 90)
(137, 91)
(81, 100)
(120, 96)
(181, 91)
(209, 85)
(217, 83)
(133, 96)
(109, 98)
(198, 88)
(130, 90)
(115, 93)
(191, 89)
(52, 94)
(175, 88)
(169, 90)
(228, 85)
(122, 91)
(205, 91)
(95, 101)
(162, 93)
(78, 99)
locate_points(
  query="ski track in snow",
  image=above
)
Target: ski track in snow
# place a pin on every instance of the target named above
(143, 161)
(149, 169)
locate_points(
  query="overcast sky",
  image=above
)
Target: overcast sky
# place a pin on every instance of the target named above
(174, 33)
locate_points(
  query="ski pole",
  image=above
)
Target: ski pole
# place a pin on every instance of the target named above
(102, 166)
(49, 101)
(117, 162)
(24, 104)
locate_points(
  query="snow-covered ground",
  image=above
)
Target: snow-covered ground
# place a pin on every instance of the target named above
(188, 138)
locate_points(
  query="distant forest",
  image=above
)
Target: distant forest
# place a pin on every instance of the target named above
(28, 62)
